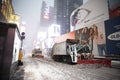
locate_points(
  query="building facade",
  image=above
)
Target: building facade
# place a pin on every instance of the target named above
(7, 13)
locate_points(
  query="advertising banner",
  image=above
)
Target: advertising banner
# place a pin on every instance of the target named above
(93, 37)
(112, 29)
(94, 11)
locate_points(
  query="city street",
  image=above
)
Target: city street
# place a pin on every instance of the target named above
(47, 69)
(37, 35)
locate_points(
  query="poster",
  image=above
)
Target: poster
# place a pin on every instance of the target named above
(112, 29)
(94, 11)
(94, 37)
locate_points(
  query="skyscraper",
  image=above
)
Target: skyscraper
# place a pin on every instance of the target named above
(63, 10)
(47, 12)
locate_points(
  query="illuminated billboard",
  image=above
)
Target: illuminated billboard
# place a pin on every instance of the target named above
(94, 11)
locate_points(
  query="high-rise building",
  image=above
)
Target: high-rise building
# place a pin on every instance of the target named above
(63, 10)
(47, 12)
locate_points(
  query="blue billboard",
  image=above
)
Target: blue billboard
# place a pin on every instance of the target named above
(112, 30)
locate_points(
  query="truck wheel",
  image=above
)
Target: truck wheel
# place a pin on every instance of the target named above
(69, 60)
(64, 58)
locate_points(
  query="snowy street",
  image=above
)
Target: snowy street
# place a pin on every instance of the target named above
(45, 69)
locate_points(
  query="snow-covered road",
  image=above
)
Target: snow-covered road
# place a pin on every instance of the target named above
(44, 69)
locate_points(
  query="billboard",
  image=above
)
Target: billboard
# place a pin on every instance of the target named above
(112, 29)
(94, 37)
(94, 11)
